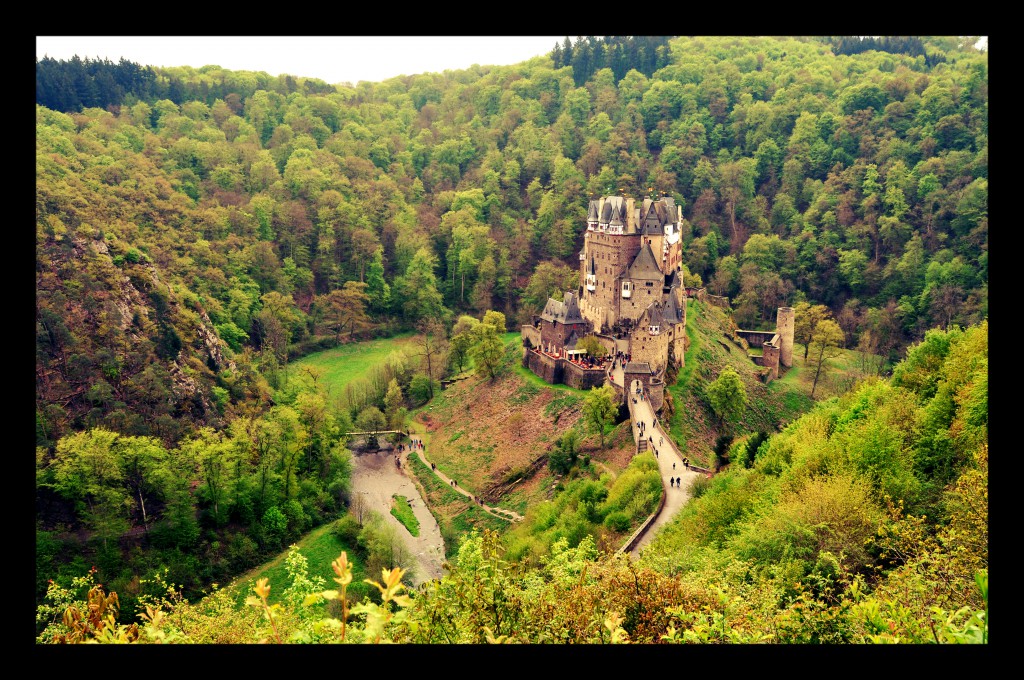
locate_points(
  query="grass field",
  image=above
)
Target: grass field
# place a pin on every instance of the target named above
(838, 375)
(352, 361)
(320, 547)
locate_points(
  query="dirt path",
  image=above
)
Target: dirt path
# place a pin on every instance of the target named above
(497, 512)
(376, 478)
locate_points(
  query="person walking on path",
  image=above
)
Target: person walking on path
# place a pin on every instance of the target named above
(673, 466)
(672, 481)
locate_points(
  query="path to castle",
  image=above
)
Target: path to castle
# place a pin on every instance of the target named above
(670, 463)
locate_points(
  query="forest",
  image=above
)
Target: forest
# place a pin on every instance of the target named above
(199, 230)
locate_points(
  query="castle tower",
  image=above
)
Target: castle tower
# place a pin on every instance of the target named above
(784, 327)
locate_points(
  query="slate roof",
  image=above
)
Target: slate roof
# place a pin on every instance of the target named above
(572, 309)
(566, 311)
(655, 315)
(671, 312)
(637, 367)
(645, 266)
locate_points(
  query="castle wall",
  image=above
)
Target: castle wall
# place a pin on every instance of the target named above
(581, 378)
(756, 338)
(531, 333)
(595, 314)
(612, 254)
(673, 258)
(608, 342)
(556, 333)
(770, 358)
(784, 325)
(656, 393)
(643, 296)
(548, 369)
(679, 346)
(650, 348)
(716, 300)
(562, 371)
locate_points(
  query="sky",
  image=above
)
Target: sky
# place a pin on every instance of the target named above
(333, 59)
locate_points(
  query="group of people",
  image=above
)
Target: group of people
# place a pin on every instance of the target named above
(676, 481)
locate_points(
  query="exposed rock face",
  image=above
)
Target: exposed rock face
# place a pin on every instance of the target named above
(132, 303)
(212, 342)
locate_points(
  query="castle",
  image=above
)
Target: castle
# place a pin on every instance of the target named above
(631, 297)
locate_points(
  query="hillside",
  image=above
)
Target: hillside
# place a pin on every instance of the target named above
(493, 437)
(693, 423)
(201, 232)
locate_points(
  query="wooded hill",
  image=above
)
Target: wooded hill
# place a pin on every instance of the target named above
(198, 228)
(236, 218)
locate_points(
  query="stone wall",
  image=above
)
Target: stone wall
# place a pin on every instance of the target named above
(784, 323)
(549, 370)
(608, 342)
(581, 378)
(563, 372)
(756, 338)
(650, 348)
(612, 254)
(656, 393)
(679, 347)
(531, 333)
(770, 358)
(716, 300)
(642, 297)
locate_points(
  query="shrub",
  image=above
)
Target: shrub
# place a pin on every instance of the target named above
(346, 530)
(699, 486)
(617, 521)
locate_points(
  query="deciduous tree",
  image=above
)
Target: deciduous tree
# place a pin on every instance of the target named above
(825, 344)
(728, 395)
(600, 410)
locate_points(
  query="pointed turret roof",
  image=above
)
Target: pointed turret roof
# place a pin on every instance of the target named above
(654, 217)
(572, 309)
(654, 314)
(645, 266)
(592, 212)
(671, 312)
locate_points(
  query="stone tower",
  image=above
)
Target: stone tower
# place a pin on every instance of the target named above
(784, 327)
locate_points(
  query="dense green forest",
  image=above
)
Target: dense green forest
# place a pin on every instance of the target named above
(199, 229)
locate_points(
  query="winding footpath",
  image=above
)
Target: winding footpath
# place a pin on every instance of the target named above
(376, 479)
(418, 447)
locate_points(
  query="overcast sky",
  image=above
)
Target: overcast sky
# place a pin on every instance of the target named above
(333, 59)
